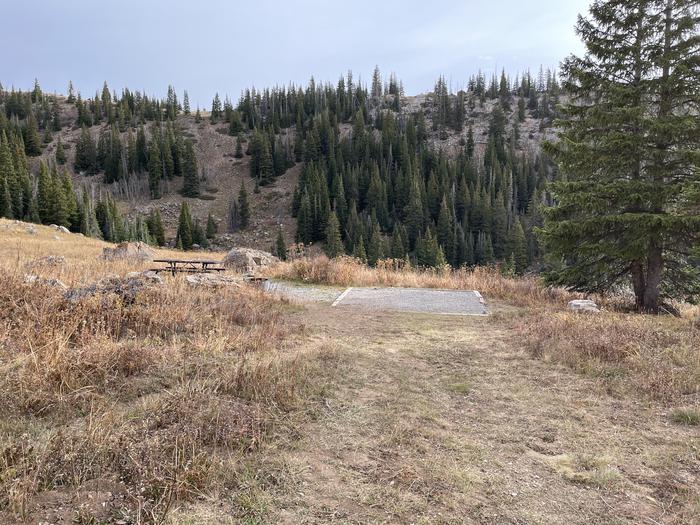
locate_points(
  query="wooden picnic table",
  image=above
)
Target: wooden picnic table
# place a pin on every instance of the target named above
(188, 266)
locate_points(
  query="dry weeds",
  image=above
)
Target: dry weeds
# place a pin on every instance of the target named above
(149, 394)
(185, 406)
(657, 356)
(346, 271)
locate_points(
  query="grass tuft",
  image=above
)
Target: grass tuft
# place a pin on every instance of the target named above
(686, 416)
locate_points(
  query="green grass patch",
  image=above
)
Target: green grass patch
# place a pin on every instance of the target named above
(461, 387)
(686, 416)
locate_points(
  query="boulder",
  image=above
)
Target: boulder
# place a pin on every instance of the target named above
(211, 280)
(583, 305)
(248, 260)
(126, 288)
(136, 251)
(31, 230)
(148, 275)
(62, 229)
(54, 283)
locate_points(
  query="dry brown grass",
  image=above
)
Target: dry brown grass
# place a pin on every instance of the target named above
(658, 356)
(148, 395)
(346, 271)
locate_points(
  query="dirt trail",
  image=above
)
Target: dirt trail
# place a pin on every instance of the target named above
(447, 420)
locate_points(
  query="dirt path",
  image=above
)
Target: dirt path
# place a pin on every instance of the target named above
(436, 419)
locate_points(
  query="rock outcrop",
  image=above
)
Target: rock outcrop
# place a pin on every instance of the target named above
(136, 251)
(126, 288)
(211, 280)
(44, 281)
(583, 305)
(248, 260)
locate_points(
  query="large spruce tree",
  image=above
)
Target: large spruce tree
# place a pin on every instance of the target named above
(629, 151)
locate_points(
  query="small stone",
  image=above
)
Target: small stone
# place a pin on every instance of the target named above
(31, 230)
(56, 238)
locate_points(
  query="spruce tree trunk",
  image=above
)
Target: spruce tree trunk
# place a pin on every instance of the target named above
(652, 290)
(638, 284)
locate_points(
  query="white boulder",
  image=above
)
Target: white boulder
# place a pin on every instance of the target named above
(248, 260)
(583, 305)
(138, 251)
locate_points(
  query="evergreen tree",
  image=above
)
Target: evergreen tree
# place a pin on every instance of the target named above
(398, 248)
(155, 227)
(359, 250)
(211, 227)
(516, 248)
(85, 153)
(69, 202)
(60, 153)
(334, 243)
(185, 228)
(71, 93)
(186, 103)
(629, 152)
(280, 246)
(243, 207)
(445, 230)
(374, 248)
(239, 148)
(215, 109)
(199, 238)
(190, 186)
(45, 194)
(155, 170)
(32, 142)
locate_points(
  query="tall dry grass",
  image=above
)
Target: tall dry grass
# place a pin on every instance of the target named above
(657, 356)
(148, 393)
(347, 271)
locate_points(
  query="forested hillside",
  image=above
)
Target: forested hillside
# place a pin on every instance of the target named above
(367, 170)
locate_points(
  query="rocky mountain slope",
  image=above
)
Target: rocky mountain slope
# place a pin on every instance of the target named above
(223, 174)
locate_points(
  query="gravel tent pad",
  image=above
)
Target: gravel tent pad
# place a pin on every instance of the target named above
(422, 300)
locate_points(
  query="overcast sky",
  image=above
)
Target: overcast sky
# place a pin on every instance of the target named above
(206, 46)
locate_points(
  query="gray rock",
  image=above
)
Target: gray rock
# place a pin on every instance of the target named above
(56, 238)
(43, 281)
(31, 230)
(126, 288)
(211, 280)
(137, 251)
(148, 275)
(583, 305)
(63, 229)
(248, 260)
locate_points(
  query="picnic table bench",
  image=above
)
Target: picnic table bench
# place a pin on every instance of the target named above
(188, 266)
